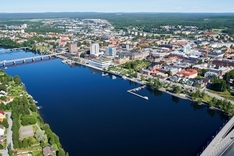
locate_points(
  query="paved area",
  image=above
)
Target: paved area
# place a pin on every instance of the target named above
(26, 131)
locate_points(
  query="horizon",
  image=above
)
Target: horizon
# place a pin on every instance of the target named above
(116, 12)
(106, 6)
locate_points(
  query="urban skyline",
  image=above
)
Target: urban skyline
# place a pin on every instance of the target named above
(25, 6)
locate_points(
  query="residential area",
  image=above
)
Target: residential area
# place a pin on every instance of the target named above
(184, 60)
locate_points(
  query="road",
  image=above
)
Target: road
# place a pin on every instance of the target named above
(9, 135)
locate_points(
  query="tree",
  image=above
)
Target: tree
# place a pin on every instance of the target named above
(176, 89)
(219, 84)
(82, 55)
(10, 152)
(46, 127)
(40, 136)
(5, 123)
(169, 73)
(202, 72)
(25, 143)
(28, 119)
(61, 152)
(226, 77)
(17, 79)
(3, 87)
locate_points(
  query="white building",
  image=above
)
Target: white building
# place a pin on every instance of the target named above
(94, 48)
(187, 49)
(100, 63)
(111, 51)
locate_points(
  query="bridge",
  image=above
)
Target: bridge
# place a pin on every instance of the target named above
(32, 59)
(15, 49)
(222, 141)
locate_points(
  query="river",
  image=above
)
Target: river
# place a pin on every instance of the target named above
(94, 115)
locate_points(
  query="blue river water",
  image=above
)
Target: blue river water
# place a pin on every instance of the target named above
(94, 115)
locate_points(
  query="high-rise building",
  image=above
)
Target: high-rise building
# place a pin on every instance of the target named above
(187, 49)
(111, 51)
(94, 48)
(72, 47)
(127, 46)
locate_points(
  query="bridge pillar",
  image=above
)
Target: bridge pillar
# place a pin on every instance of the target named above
(4, 64)
(42, 58)
(33, 59)
(24, 61)
(50, 57)
(14, 62)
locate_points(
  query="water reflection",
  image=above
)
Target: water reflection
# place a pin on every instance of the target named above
(175, 99)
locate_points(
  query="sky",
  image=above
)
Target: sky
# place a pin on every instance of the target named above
(15, 6)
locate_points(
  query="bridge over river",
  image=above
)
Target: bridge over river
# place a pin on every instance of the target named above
(15, 49)
(32, 59)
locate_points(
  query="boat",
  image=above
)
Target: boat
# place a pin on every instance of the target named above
(64, 61)
(5, 67)
(39, 107)
(35, 101)
(145, 97)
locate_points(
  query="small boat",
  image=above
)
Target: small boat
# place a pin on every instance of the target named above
(124, 77)
(145, 97)
(5, 67)
(35, 101)
(64, 61)
(39, 107)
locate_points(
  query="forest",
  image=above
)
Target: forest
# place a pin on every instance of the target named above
(145, 21)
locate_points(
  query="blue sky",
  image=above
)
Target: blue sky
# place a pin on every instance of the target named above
(117, 6)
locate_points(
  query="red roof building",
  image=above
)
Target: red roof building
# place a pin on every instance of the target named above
(189, 73)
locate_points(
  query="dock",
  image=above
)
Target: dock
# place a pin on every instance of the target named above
(132, 91)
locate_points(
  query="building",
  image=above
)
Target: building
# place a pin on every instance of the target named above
(94, 48)
(2, 115)
(100, 63)
(72, 47)
(111, 51)
(189, 73)
(121, 60)
(48, 151)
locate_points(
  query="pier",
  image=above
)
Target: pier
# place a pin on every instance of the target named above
(132, 91)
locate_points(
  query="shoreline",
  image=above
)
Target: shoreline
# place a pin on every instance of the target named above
(161, 89)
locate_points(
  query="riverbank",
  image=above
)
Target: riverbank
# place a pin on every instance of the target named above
(182, 96)
(25, 115)
(84, 97)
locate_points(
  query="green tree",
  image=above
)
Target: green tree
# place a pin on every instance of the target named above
(17, 79)
(61, 152)
(25, 143)
(176, 89)
(169, 72)
(3, 87)
(5, 123)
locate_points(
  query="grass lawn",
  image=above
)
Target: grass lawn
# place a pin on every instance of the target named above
(37, 153)
(226, 94)
(217, 31)
(207, 98)
(43, 48)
